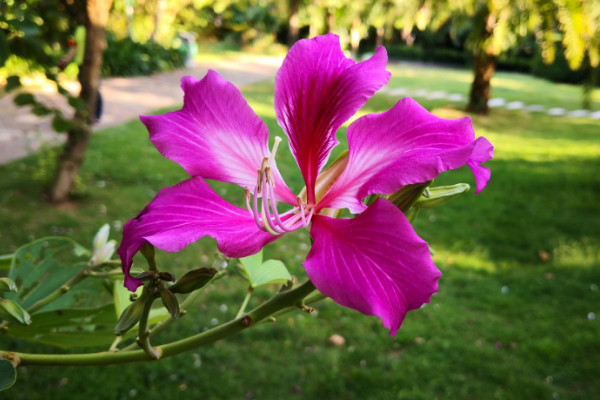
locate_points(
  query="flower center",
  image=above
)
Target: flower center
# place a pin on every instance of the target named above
(268, 218)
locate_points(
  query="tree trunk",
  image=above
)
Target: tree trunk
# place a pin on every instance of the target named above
(73, 154)
(294, 29)
(355, 37)
(484, 64)
(483, 69)
(329, 21)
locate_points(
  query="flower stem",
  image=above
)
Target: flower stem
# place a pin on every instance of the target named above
(245, 302)
(280, 301)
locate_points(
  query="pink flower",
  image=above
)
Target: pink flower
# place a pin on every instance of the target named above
(374, 263)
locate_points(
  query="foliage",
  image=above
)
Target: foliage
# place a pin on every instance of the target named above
(125, 57)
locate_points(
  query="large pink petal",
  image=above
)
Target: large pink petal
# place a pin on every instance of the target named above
(216, 135)
(316, 90)
(405, 145)
(374, 263)
(182, 214)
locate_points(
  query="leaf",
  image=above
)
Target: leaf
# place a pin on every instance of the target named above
(12, 82)
(60, 123)
(4, 53)
(70, 327)
(8, 374)
(259, 274)
(24, 99)
(44, 266)
(6, 261)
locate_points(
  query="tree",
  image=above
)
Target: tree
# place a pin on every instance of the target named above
(579, 20)
(73, 155)
(34, 31)
(494, 26)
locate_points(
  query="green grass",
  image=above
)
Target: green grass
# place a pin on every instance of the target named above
(521, 265)
(510, 86)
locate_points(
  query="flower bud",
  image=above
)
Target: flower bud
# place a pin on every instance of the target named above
(12, 311)
(193, 280)
(133, 313)
(408, 195)
(169, 301)
(434, 196)
(7, 285)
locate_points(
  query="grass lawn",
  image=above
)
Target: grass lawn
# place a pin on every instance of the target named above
(518, 311)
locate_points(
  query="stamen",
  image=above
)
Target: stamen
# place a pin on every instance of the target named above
(274, 150)
(266, 215)
(278, 219)
(258, 182)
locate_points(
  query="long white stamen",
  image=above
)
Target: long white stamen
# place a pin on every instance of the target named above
(266, 215)
(280, 223)
(274, 150)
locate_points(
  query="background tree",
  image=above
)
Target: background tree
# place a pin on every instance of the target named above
(579, 20)
(36, 31)
(73, 155)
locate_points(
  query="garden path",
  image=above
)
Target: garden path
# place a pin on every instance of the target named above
(22, 133)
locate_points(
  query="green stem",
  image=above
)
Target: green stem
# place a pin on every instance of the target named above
(278, 302)
(183, 309)
(143, 334)
(60, 291)
(245, 302)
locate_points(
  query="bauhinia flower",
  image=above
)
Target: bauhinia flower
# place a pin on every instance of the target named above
(374, 263)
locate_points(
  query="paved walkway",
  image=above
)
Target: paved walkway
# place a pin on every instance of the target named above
(22, 133)
(125, 99)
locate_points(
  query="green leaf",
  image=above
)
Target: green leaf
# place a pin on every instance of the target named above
(70, 327)
(8, 374)
(24, 99)
(60, 123)
(77, 103)
(40, 109)
(7, 285)
(6, 261)
(12, 82)
(44, 266)
(12, 311)
(4, 53)
(259, 274)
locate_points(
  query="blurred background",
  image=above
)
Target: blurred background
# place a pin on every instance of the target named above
(516, 314)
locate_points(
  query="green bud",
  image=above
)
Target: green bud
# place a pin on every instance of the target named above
(133, 313)
(146, 276)
(12, 311)
(193, 280)
(408, 195)
(147, 251)
(169, 301)
(8, 285)
(166, 276)
(434, 196)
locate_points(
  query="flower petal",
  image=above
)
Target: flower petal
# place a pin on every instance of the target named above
(216, 135)
(316, 90)
(374, 263)
(405, 145)
(182, 214)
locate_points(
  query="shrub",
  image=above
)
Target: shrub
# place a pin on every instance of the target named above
(125, 57)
